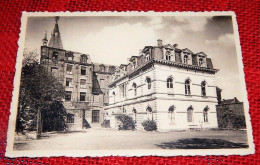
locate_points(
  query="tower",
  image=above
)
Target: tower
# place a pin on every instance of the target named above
(55, 40)
(45, 40)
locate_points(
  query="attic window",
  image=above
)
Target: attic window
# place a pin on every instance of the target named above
(201, 61)
(83, 58)
(168, 55)
(147, 57)
(55, 56)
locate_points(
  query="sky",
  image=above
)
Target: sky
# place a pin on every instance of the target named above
(114, 39)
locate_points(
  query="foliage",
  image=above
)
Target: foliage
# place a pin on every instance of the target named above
(126, 122)
(39, 92)
(149, 125)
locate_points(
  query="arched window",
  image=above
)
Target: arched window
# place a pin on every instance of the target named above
(203, 88)
(168, 55)
(190, 114)
(171, 114)
(102, 68)
(205, 114)
(149, 82)
(114, 96)
(149, 113)
(187, 87)
(185, 59)
(135, 89)
(169, 83)
(200, 61)
(135, 114)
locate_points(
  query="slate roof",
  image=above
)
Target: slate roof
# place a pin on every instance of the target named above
(55, 40)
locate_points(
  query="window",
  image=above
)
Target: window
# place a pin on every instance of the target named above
(69, 68)
(171, 114)
(95, 116)
(70, 118)
(54, 71)
(102, 68)
(55, 56)
(102, 83)
(135, 89)
(147, 57)
(122, 91)
(168, 55)
(149, 83)
(203, 88)
(149, 113)
(187, 87)
(68, 82)
(82, 96)
(83, 70)
(200, 61)
(114, 96)
(134, 64)
(185, 59)
(111, 69)
(169, 83)
(84, 58)
(135, 114)
(205, 114)
(68, 96)
(82, 83)
(190, 114)
(124, 110)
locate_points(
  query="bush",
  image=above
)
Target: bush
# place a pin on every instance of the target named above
(126, 122)
(149, 125)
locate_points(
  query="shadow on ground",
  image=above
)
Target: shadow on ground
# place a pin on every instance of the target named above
(201, 143)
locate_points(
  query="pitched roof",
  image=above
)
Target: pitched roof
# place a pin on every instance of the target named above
(55, 40)
(230, 101)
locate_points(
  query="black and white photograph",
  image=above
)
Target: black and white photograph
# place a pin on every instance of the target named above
(129, 84)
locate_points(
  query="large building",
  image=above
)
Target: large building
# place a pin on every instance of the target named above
(174, 87)
(85, 82)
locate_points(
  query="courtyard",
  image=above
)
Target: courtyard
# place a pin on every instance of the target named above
(108, 139)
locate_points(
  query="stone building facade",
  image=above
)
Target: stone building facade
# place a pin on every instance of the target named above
(85, 82)
(174, 87)
(230, 113)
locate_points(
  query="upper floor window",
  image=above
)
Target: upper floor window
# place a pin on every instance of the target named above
(171, 114)
(203, 88)
(169, 83)
(187, 87)
(68, 96)
(68, 82)
(190, 114)
(69, 68)
(205, 115)
(149, 83)
(82, 83)
(134, 64)
(82, 96)
(185, 59)
(83, 70)
(168, 55)
(55, 56)
(147, 57)
(111, 69)
(114, 96)
(135, 89)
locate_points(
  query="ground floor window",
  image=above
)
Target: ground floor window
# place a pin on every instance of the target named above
(149, 113)
(70, 118)
(95, 116)
(135, 114)
(205, 115)
(171, 114)
(190, 114)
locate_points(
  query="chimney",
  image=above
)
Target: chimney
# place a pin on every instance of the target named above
(175, 45)
(159, 42)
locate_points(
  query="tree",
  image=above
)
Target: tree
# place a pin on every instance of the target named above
(40, 96)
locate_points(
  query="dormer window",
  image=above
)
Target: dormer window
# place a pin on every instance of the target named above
(201, 61)
(134, 64)
(102, 68)
(185, 59)
(55, 56)
(84, 58)
(147, 57)
(168, 55)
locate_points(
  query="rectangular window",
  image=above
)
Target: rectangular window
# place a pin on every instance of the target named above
(70, 118)
(69, 68)
(68, 82)
(83, 70)
(68, 96)
(83, 83)
(102, 83)
(82, 96)
(95, 116)
(55, 56)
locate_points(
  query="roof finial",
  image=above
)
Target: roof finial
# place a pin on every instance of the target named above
(57, 19)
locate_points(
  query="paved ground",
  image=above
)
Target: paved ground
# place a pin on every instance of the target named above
(113, 139)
